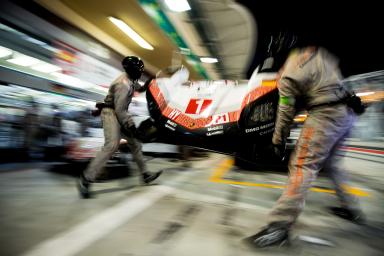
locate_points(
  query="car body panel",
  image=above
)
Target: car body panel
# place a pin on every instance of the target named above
(225, 116)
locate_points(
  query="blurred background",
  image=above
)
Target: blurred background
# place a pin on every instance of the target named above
(58, 58)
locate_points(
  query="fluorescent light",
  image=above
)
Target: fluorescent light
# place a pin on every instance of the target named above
(364, 93)
(23, 60)
(131, 33)
(178, 5)
(185, 51)
(46, 67)
(4, 52)
(208, 60)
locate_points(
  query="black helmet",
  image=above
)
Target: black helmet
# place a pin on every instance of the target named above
(281, 42)
(134, 67)
(279, 46)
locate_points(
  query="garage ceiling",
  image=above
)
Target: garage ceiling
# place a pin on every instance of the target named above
(217, 27)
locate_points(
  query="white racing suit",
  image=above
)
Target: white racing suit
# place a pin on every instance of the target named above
(119, 96)
(312, 75)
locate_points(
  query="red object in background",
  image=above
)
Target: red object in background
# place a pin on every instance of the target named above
(197, 106)
(58, 88)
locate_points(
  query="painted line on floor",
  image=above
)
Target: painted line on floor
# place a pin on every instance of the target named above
(364, 150)
(226, 165)
(83, 235)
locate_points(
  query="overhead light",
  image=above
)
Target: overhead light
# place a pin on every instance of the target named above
(185, 51)
(178, 5)
(46, 67)
(364, 93)
(4, 52)
(208, 60)
(23, 60)
(131, 33)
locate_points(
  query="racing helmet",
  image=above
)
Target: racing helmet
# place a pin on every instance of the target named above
(279, 46)
(133, 66)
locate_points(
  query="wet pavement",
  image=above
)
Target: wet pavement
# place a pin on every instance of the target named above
(206, 209)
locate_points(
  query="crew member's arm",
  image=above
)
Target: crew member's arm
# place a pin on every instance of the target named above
(122, 98)
(286, 111)
(295, 76)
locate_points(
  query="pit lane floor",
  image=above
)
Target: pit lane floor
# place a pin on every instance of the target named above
(202, 210)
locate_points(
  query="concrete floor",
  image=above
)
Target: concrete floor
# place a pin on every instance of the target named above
(203, 210)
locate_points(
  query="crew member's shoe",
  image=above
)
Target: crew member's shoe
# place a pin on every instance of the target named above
(354, 216)
(148, 177)
(83, 185)
(275, 234)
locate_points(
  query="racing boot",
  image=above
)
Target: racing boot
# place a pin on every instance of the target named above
(83, 185)
(148, 177)
(275, 234)
(355, 216)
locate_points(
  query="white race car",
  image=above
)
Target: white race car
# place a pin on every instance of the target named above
(227, 116)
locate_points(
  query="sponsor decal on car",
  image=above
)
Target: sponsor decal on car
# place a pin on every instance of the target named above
(261, 127)
(174, 114)
(219, 119)
(215, 128)
(170, 125)
(198, 106)
(270, 130)
(263, 113)
(215, 133)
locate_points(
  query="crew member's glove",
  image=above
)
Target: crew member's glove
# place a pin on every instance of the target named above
(130, 131)
(133, 132)
(95, 112)
(279, 151)
(98, 107)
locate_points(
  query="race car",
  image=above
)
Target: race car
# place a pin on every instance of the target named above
(227, 116)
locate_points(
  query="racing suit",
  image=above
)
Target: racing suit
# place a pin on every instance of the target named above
(114, 118)
(312, 75)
